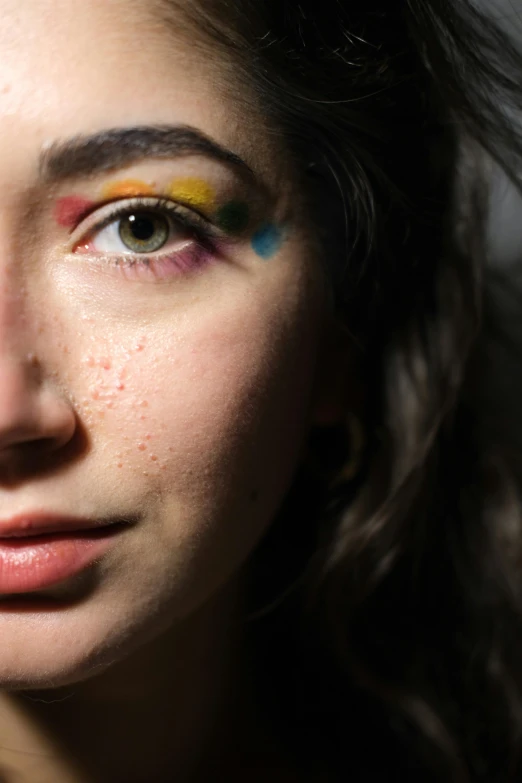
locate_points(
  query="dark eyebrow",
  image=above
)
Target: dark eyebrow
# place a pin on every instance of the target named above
(116, 148)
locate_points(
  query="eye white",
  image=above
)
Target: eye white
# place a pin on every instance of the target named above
(108, 239)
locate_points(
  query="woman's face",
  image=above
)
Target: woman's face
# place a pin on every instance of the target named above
(156, 366)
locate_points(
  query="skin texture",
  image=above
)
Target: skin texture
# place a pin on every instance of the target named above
(181, 404)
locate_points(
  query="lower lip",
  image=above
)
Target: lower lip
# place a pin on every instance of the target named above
(37, 562)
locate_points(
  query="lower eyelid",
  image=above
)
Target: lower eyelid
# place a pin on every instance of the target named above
(161, 266)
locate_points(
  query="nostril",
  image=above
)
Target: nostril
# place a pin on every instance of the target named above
(32, 413)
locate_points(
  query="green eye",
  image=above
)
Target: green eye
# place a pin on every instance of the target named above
(143, 232)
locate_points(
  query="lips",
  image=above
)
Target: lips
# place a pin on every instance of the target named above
(25, 525)
(42, 550)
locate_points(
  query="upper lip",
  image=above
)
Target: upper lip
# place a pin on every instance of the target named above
(37, 524)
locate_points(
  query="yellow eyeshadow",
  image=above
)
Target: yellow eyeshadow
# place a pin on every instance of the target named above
(127, 188)
(193, 192)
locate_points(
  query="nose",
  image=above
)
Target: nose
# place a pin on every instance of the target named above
(32, 413)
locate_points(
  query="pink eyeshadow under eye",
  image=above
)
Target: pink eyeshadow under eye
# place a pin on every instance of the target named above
(70, 209)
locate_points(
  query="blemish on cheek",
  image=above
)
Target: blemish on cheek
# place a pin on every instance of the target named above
(267, 240)
(142, 446)
(153, 457)
(127, 188)
(70, 209)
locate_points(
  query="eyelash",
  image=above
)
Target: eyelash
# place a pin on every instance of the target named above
(202, 235)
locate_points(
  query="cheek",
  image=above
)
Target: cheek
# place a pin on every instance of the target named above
(198, 414)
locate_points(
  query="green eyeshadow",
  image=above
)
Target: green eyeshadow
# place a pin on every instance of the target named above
(233, 217)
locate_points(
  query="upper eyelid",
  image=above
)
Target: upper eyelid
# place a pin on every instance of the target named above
(127, 205)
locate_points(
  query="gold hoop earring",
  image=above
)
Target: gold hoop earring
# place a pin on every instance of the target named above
(328, 447)
(357, 441)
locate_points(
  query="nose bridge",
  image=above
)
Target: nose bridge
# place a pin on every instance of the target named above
(18, 379)
(15, 340)
(32, 407)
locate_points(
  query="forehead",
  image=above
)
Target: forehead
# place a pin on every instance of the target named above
(78, 66)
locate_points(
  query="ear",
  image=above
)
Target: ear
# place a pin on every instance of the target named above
(338, 388)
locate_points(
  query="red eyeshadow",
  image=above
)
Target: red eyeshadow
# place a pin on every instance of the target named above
(70, 209)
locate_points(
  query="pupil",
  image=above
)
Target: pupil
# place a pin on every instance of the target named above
(142, 227)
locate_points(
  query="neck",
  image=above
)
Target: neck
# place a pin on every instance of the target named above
(154, 716)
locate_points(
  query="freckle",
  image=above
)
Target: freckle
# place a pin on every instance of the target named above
(119, 465)
(142, 446)
(143, 417)
(145, 473)
(153, 457)
(170, 448)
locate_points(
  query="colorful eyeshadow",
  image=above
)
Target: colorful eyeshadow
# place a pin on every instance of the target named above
(192, 191)
(70, 209)
(233, 217)
(267, 240)
(127, 188)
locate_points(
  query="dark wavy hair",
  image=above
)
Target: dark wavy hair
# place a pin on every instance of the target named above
(386, 619)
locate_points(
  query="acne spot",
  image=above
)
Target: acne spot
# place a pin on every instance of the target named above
(144, 404)
(267, 240)
(70, 209)
(105, 363)
(119, 465)
(127, 188)
(95, 394)
(148, 437)
(192, 191)
(142, 446)
(120, 386)
(153, 457)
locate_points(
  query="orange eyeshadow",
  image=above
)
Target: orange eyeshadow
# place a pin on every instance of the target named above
(127, 188)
